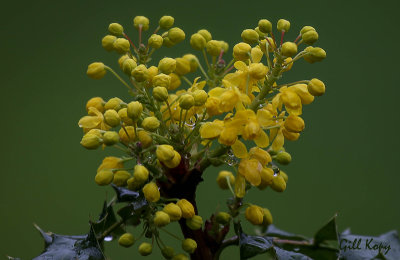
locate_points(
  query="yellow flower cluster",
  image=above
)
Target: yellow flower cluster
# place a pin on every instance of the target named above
(235, 113)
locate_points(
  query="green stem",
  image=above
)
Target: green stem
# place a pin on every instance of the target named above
(186, 80)
(268, 83)
(118, 77)
(202, 69)
(292, 83)
(172, 235)
(205, 58)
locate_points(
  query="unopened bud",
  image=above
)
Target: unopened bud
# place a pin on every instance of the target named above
(140, 73)
(104, 177)
(289, 49)
(197, 41)
(141, 20)
(161, 219)
(265, 26)
(91, 141)
(278, 184)
(283, 158)
(165, 152)
(192, 61)
(195, 222)
(121, 178)
(160, 94)
(206, 34)
(96, 70)
(167, 65)
(283, 25)
(108, 42)
(213, 47)
(186, 207)
(166, 22)
(150, 123)
(186, 101)
(151, 192)
(182, 66)
(110, 137)
(222, 179)
(145, 249)
(129, 65)
(241, 51)
(112, 118)
(250, 36)
(126, 240)
(134, 110)
(223, 218)
(294, 124)
(254, 215)
(189, 245)
(310, 37)
(316, 87)
(121, 45)
(116, 29)
(176, 35)
(155, 41)
(140, 173)
(200, 97)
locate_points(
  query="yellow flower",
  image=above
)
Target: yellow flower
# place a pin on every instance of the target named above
(94, 121)
(251, 169)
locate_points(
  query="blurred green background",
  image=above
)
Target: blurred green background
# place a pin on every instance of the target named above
(345, 162)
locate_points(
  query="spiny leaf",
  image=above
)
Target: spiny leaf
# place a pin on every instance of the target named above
(61, 247)
(106, 219)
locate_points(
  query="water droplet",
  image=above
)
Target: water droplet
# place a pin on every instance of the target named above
(108, 238)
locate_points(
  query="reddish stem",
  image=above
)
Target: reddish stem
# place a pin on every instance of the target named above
(140, 34)
(126, 37)
(273, 37)
(298, 37)
(282, 35)
(220, 55)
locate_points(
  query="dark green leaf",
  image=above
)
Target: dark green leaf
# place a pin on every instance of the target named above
(125, 195)
(129, 215)
(327, 236)
(277, 253)
(385, 246)
(273, 231)
(253, 245)
(60, 247)
(107, 218)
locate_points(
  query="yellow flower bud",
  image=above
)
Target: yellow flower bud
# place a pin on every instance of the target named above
(267, 219)
(214, 47)
(104, 177)
(186, 101)
(128, 65)
(121, 177)
(110, 137)
(108, 42)
(180, 257)
(314, 54)
(151, 192)
(161, 80)
(309, 37)
(161, 219)
(111, 162)
(290, 135)
(165, 152)
(197, 41)
(121, 45)
(126, 240)
(123, 114)
(153, 71)
(122, 59)
(141, 20)
(254, 214)
(96, 70)
(112, 118)
(96, 102)
(174, 211)
(182, 66)
(155, 41)
(127, 134)
(289, 49)
(283, 158)
(116, 29)
(195, 222)
(278, 183)
(134, 110)
(200, 97)
(192, 62)
(284, 175)
(145, 138)
(140, 73)
(186, 208)
(167, 65)
(176, 35)
(241, 51)
(261, 35)
(222, 179)
(283, 25)
(150, 123)
(175, 81)
(134, 184)
(316, 87)
(258, 70)
(91, 141)
(113, 103)
(160, 94)
(167, 42)
(168, 252)
(251, 130)
(189, 245)
(267, 174)
(223, 218)
(261, 155)
(250, 36)
(145, 249)
(306, 29)
(174, 162)
(166, 22)
(206, 34)
(265, 26)
(294, 124)
(140, 173)
(224, 46)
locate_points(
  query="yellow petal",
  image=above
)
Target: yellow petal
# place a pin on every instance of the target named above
(302, 91)
(277, 102)
(262, 140)
(210, 130)
(216, 92)
(240, 186)
(240, 65)
(256, 54)
(264, 117)
(89, 122)
(239, 149)
(278, 142)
